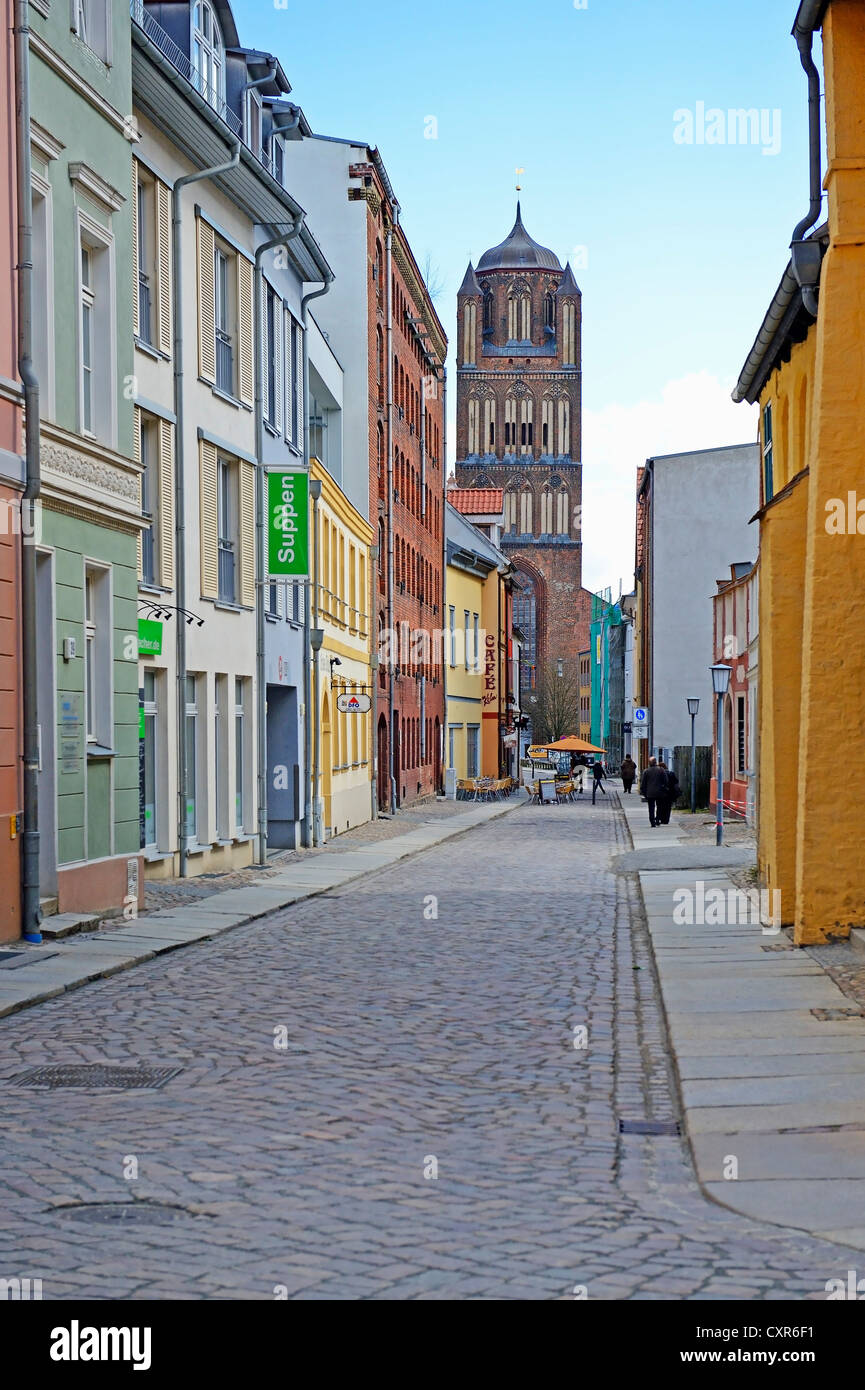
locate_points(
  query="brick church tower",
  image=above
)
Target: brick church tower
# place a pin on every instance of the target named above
(519, 428)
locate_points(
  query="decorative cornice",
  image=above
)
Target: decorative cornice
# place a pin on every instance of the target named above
(46, 143)
(96, 185)
(89, 478)
(76, 82)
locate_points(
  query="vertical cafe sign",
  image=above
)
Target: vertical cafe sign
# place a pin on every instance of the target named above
(287, 525)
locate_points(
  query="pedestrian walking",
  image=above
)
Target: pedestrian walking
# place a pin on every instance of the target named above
(653, 784)
(598, 775)
(629, 772)
(672, 793)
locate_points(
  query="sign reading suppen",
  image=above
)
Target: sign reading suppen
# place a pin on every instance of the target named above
(287, 525)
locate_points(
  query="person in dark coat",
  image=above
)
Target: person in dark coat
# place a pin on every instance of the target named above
(672, 793)
(653, 785)
(628, 771)
(598, 779)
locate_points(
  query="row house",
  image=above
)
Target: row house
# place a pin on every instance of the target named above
(222, 255)
(11, 486)
(482, 697)
(736, 606)
(805, 371)
(87, 554)
(380, 320)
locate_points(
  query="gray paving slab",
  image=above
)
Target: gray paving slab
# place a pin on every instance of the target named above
(809, 1205)
(776, 1157)
(671, 856)
(826, 1088)
(793, 1025)
(743, 996)
(766, 1119)
(786, 1063)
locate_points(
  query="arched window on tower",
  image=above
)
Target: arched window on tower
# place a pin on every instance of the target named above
(547, 419)
(550, 312)
(526, 511)
(526, 619)
(513, 316)
(474, 443)
(488, 311)
(511, 500)
(547, 510)
(525, 317)
(510, 424)
(563, 506)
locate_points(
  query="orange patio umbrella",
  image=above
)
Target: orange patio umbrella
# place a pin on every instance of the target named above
(569, 744)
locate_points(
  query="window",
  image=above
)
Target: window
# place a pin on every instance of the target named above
(549, 312)
(226, 527)
(150, 830)
(294, 383)
(43, 294)
(207, 54)
(740, 734)
(87, 352)
(453, 635)
(253, 123)
(149, 499)
(277, 155)
(191, 759)
(97, 656)
(473, 744)
(239, 755)
(224, 343)
(768, 479)
(144, 197)
(318, 430)
(272, 609)
(91, 23)
(96, 332)
(466, 641)
(477, 648)
(272, 310)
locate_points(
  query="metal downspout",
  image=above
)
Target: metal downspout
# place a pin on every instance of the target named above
(310, 669)
(444, 466)
(179, 483)
(260, 534)
(31, 912)
(803, 33)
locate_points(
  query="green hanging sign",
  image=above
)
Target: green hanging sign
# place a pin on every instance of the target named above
(149, 637)
(287, 525)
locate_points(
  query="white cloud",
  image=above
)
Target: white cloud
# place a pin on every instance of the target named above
(695, 412)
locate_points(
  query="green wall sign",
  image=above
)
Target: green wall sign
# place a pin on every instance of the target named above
(287, 525)
(149, 637)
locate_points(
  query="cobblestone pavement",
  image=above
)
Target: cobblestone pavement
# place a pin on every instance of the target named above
(300, 1171)
(174, 892)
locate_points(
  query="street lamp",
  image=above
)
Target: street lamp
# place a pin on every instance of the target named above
(720, 684)
(693, 707)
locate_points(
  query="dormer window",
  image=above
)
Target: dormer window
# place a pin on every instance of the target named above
(207, 54)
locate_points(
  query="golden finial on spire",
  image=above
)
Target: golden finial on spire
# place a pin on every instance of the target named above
(518, 172)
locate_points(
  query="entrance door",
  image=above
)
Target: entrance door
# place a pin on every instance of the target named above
(383, 785)
(46, 701)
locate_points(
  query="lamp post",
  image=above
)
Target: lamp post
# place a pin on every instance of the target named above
(720, 684)
(693, 707)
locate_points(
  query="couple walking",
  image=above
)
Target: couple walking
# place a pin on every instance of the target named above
(660, 787)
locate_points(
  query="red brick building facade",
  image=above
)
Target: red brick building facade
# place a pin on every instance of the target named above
(519, 427)
(407, 350)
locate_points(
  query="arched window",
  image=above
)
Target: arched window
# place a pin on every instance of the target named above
(549, 312)
(547, 511)
(526, 516)
(208, 52)
(511, 508)
(525, 317)
(563, 506)
(510, 423)
(488, 311)
(513, 316)
(379, 360)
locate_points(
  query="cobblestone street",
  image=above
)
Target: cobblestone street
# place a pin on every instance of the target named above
(411, 1040)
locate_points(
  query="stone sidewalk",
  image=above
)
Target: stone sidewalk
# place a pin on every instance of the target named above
(770, 1053)
(41, 972)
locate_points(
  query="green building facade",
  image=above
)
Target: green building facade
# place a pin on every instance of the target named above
(82, 133)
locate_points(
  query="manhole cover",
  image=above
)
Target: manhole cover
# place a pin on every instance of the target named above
(126, 1213)
(649, 1127)
(94, 1076)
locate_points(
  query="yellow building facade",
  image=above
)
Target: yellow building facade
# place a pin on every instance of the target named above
(341, 670)
(808, 375)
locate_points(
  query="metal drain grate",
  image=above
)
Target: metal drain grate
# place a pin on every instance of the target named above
(649, 1127)
(126, 1213)
(95, 1076)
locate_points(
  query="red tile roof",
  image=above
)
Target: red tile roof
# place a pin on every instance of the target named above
(477, 501)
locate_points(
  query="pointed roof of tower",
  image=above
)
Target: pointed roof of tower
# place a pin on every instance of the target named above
(568, 284)
(470, 284)
(519, 251)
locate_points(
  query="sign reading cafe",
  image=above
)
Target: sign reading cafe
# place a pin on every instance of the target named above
(287, 525)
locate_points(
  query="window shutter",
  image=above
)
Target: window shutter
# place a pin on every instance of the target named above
(262, 353)
(206, 306)
(278, 341)
(136, 454)
(244, 329)
(209, 522)
(166, 504)
(247, 534)
(136, 325)
(163, 267)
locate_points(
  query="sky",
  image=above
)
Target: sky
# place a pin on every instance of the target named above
(678, 242)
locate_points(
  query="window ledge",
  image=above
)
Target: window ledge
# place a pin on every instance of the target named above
(155, 856)
(152, 588)
(193, 847)
(243, 838)
(272, 430)
(225, 607)
(98, 750)
(150, 351)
